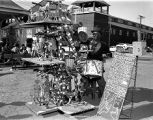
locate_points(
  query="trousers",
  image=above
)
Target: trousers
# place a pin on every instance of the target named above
(91, 82)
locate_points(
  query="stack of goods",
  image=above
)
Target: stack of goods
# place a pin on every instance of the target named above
(57, 85)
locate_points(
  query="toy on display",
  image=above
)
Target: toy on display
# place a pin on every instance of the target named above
(59, 83)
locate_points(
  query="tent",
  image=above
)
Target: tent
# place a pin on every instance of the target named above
(8, 9)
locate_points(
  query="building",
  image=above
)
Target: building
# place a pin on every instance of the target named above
(11, 15)
(43, 18)
(115, 30)
(46, 14)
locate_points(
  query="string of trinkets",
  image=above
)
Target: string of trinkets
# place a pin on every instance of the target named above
(64, 80)
(60, 92)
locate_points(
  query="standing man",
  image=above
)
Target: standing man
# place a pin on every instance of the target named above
(98, 48)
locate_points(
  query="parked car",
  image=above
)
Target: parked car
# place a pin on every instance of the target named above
(122, 47)
(149, 49)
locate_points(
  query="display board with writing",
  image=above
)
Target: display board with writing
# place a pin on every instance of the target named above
(118, 80)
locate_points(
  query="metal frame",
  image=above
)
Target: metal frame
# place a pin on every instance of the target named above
(131, 101)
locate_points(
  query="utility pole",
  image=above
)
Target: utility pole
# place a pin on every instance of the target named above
(0, 31)
(141, 17)
(109, 37)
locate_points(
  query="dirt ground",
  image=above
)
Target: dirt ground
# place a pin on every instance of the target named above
(16, 85)
(15, 90)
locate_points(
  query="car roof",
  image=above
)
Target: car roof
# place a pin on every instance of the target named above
(121, 44)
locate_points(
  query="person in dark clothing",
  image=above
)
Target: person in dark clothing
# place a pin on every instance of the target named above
(6, 50)
(16, 49)
(99, 48)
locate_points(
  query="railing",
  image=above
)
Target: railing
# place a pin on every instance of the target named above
(88, 10)
(42, 16)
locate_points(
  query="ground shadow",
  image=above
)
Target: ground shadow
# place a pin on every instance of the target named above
(145, 59)
(3, 117)
(143, 103)
(140, 94)
(16, 117)
(13, 103)
(140, 112)
(7, 73)
(94, 101)
(18, 103)
(2, 104)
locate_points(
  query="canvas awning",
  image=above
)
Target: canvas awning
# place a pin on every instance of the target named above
(8, 9)
(39, 23)
(14, 25)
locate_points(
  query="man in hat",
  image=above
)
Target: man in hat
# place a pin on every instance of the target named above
(99, 48)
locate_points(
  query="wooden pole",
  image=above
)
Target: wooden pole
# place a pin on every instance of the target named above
(140, 17)
(93, 6)
(101, 10)
(0, 30)
(107, 9)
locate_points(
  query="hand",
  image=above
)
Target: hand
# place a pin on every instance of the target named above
(97, 47)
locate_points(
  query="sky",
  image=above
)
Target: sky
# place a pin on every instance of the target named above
(125, 9)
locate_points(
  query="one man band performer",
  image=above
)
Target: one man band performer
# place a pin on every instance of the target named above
(99, 48)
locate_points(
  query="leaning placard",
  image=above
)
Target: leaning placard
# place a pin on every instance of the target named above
(118, 81)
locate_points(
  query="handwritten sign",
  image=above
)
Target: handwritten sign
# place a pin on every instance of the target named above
(116, 87)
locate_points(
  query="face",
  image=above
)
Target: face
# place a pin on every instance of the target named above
(97, 36)
(94, 34)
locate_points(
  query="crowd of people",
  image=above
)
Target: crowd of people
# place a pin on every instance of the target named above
(95, 43)
(8, 51)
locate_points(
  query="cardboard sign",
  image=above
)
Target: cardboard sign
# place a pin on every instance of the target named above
(116, 87)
